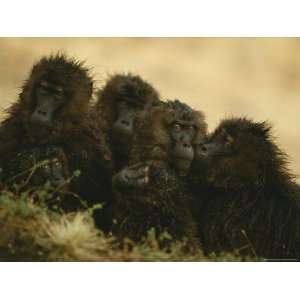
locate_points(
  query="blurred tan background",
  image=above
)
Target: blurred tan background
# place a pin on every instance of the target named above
(254, 77)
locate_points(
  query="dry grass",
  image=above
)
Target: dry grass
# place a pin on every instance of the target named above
(30, 232)
(258, 78)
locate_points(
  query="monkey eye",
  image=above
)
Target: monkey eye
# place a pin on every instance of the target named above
(59, 90)
(44, 84)
(192, 128)
(58, 95)
(177, 126)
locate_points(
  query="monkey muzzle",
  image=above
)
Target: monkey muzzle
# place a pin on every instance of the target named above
(123, 128)
(183, 155)
(42, 118)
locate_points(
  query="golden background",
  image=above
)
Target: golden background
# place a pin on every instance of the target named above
(254, 77)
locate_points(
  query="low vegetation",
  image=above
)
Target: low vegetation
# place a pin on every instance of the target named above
(32, 232)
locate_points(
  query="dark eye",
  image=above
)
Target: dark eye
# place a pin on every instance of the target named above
(59, 90)
(192, 128)
(58, 94)
(44, 84)
(176, 127)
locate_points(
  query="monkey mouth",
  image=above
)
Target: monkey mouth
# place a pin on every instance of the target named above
(122, 135)
(122, 139)
(36, 124)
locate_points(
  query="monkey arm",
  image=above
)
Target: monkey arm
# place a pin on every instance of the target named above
(10, 138)
(161, 203)
(135, 176)
(147, 176)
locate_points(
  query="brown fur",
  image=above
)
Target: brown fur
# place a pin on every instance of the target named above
(31, 166)
(250, 198)
(120, 87)
(74, 131)
(153, 140)
(74, 77)
(164, 203)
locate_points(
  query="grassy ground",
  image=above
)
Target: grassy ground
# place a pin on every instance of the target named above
(258, 78)
(31, 232)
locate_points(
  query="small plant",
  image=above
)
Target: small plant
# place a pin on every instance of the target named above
(31, 231)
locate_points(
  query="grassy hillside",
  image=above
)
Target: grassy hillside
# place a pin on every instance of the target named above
(31, 232)
(254, 77)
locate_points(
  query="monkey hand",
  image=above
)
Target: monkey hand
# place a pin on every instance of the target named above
(135, 176)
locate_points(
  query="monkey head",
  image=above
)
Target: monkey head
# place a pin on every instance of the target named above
(57, 93)
(239, 153)
(120, 101)
(168, 132)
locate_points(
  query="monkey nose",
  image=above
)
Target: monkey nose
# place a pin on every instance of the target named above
(41, 112)
(203, 148)
(40, 118)
(186, 145)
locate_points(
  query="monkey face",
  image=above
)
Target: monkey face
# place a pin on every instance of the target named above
(49, 98)
(182, 134)
(219, 145)
(219, 161)
(123, 126)
(125, 118)
(238, 153)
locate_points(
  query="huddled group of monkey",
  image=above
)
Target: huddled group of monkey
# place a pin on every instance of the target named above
(149, 163)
